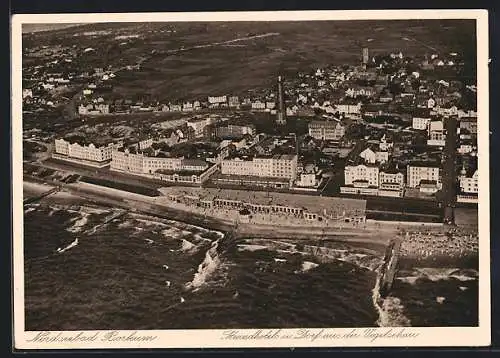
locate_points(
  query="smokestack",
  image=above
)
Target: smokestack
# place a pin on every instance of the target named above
(281, 103)
(365, 56)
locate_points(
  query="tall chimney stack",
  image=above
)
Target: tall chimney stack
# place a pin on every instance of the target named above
(280, 119)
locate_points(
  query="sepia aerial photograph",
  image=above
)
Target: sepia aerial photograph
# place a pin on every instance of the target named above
(250, 174)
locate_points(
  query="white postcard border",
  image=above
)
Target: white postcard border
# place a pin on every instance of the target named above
(355, 337)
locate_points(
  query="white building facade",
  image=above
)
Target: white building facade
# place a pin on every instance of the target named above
(89, 152)
(278, 166)
(361, 174)
(416, 174)
(469, 185)
(326, 130)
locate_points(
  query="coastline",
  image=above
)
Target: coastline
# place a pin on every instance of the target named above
(374, 234)
(319, 243)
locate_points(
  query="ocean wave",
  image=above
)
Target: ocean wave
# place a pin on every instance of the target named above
(53, 210)
(154, 223)
(324, 253)
(308, 265)
(125, 224)
(438, 274)
(408, 279)
(187, 246)
(390, 309)
(93, 210)
(29, 210)
(206, 268)
(79, 223)
(199, 237)
(250, 247)
(463, 278)
(70, 246)
(172, 233)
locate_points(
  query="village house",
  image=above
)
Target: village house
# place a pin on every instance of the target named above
(234, 102)
(360, 91)
(347, 108)
(258, 105)
(361, 179)
(372, 157)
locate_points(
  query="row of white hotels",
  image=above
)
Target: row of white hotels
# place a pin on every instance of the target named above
(364, 179)
(120, 159)
(369, 179)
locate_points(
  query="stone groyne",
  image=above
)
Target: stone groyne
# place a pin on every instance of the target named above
(388, 269)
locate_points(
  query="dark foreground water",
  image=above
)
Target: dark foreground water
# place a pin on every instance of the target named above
(140, 272)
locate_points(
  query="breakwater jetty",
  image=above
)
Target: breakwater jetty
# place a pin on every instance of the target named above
(39, 197)
(389, 266)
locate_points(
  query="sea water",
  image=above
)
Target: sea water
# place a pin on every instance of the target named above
(144, 272)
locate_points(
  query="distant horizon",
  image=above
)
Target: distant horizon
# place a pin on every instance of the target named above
(29, 28)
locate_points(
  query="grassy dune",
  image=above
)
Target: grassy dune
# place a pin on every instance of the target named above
(253, 63)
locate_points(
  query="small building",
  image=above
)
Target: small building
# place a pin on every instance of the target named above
(217, 100)
(234, 102)
(258, 105)
(27, 93)
(469, 123)
(420, 123)
(469, 184)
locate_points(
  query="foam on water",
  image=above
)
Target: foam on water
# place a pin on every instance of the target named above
(390, 309)
(408, 279)
(308, 265)
(438, 274)
(79, 223)
(172, 233)
(70, 246)
(187, 246)
(250, 247)
(206, 268)
(150, 222)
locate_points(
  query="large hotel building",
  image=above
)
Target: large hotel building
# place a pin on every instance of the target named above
(279, 170)
(174, 169)
(86, 153)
